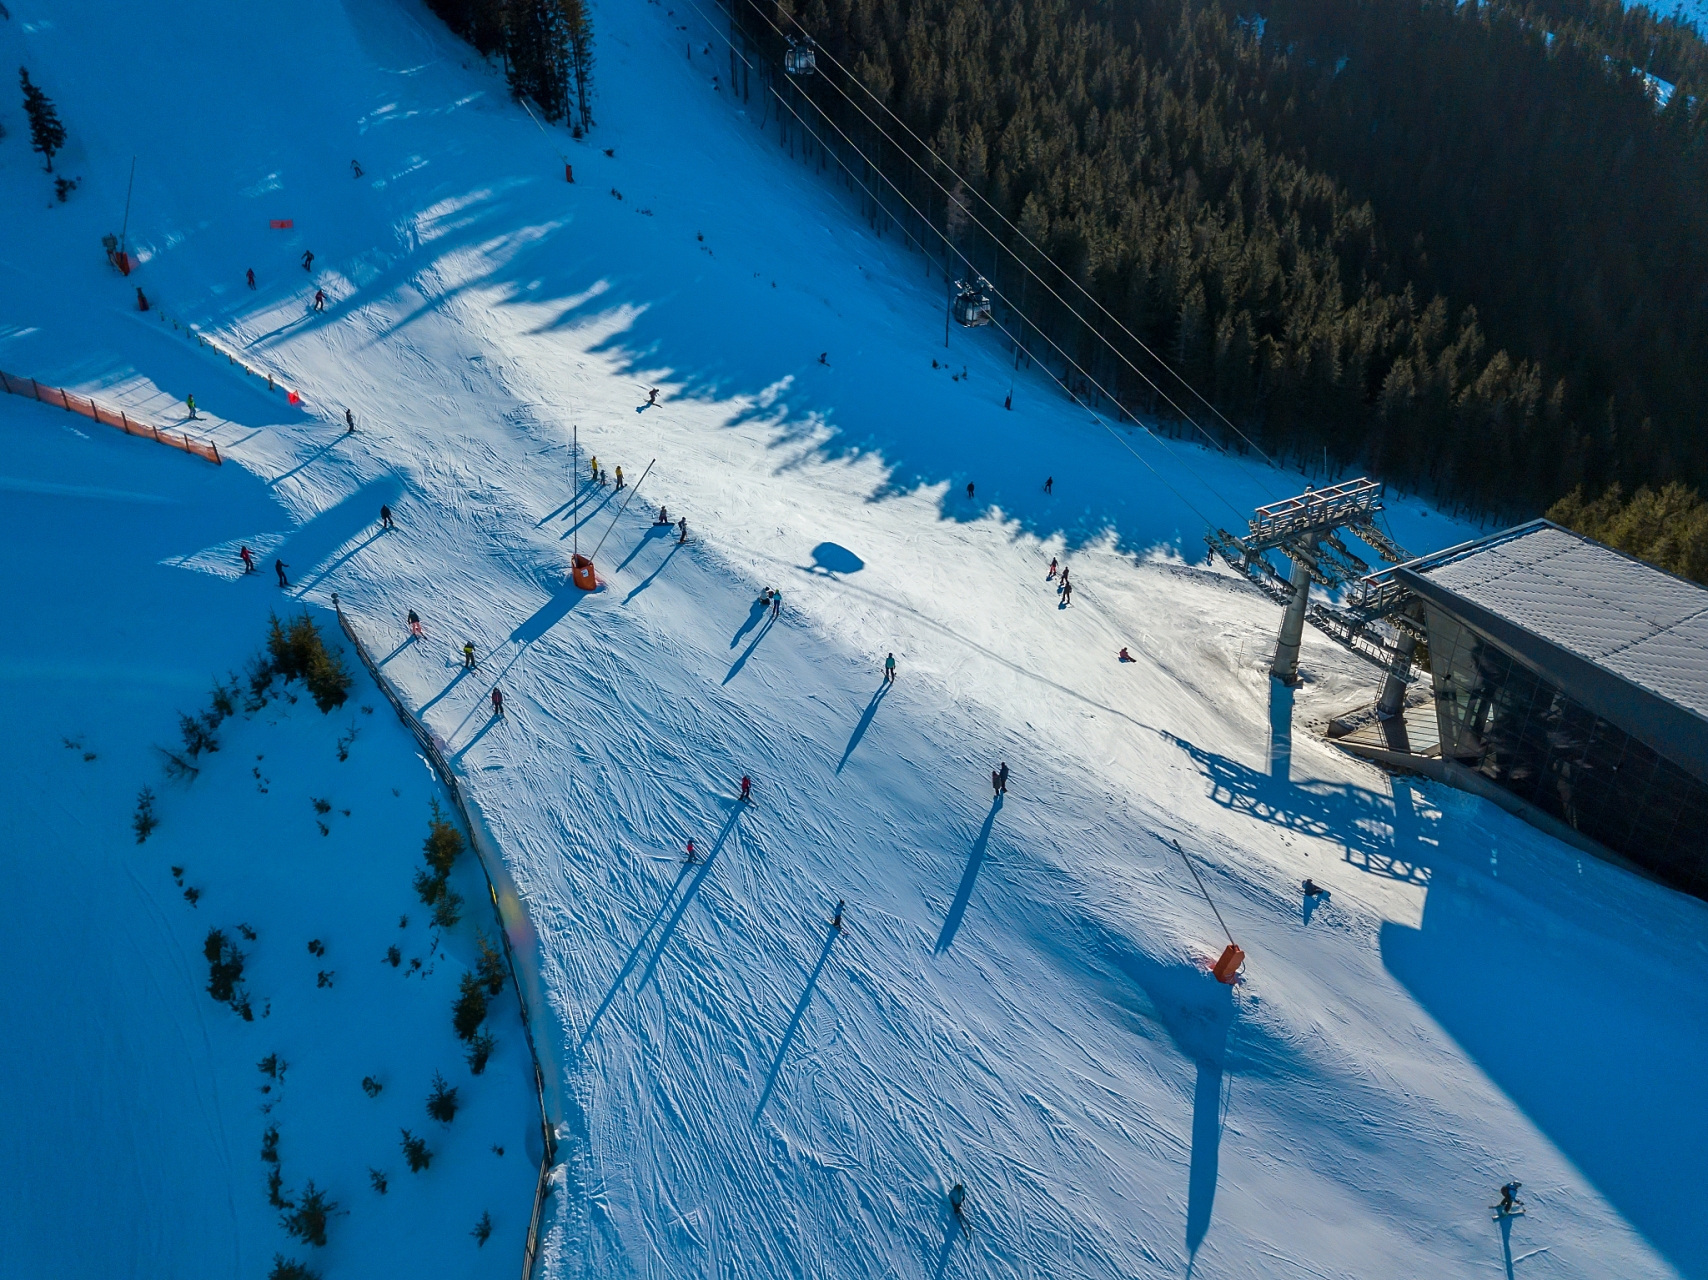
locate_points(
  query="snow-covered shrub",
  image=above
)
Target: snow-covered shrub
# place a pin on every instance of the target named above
(144, 821)
(442, 1102)
(415, 1152)
(308, 1220)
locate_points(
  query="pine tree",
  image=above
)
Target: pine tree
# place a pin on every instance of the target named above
(577, 28)
(47, 134)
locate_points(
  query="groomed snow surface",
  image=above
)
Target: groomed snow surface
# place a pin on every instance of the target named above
(1020, 1001)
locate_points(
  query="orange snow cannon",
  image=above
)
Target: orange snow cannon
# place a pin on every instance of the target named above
(1227, 968)
(581, 573)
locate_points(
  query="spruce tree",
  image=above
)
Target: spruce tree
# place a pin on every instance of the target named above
(47, 134)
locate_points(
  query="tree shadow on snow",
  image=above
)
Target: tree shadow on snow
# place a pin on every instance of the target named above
(310, 544)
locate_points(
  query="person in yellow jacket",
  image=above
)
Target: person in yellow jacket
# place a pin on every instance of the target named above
(619, 477)
(595, 465)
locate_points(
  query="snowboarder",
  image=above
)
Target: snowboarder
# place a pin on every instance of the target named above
(776, 603)
(836, 920)
(468, 655)
(890, 669)
(1124, 656)
(248, 558)
(355, 169)
(663, 516)
(250, 276)
(497, 702)
(279, 567)
(619, 477)
(1052, 572)
(652, 396)
(691, 855)
(1311, 888)
(141, 299)
(349, 422)
(1002, 778)
(190, 403)
(385, 516)
(307, 260)
(1509, 1201)
(746, 788)
(957, 1196)
(320, 299)
(682, 524)
(969, 491)
(414, 625)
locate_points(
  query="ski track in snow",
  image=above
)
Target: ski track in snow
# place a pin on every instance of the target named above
(1020, 999)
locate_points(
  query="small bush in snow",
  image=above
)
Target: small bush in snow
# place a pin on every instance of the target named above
(270, 1144)
(258, 675)
(448, 909)
(197, 734)
(308, 1220)
(483, 1229)
(415, 1152)
(490, 966)
(225, 967)
(442, 1102)
(177, 766)
(480, 1049)
(144, 821)
(371, 1086)
(470, 1009)
(316, 947)
(275, 1196)
(273, 1065)
(378, 1178)
(299, 653)
(393, 956)
(348, 739)
(192, 895)
(289, 1269)
(222, 700)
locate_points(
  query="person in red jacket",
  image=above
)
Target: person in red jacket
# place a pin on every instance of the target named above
(248, 558)
(746, 788)
(497, 703)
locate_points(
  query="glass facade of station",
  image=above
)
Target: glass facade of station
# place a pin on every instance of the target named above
(1499, 717)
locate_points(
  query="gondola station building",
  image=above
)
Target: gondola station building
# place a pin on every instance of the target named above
(1571, 685)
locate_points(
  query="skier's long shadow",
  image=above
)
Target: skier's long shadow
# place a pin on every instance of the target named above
(794, 1024)
(455, 681)
(753, 616)
(747, 653)
(567, 504)
(484, 730)
(1506, 1242)
(647, 581)
(950, 1235)
(865, 723)
(687, 897)
(645, 541)
(400, 648)
(634, 954)
(963, 895)
(591, 513)
(354, 551)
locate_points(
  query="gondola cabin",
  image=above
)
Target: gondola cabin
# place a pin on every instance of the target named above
(800, 59)
(972, 305)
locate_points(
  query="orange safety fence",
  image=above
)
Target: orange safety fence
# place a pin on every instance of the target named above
(64, 399)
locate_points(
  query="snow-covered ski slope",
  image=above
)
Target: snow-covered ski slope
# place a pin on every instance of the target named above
(1020, 1000)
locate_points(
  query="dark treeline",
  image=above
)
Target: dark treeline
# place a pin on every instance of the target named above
(1424, 237)
(547, 47)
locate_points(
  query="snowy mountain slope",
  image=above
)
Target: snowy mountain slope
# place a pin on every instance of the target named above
(1020, 1001)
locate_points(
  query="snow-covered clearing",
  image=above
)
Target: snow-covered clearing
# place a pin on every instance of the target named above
(1019, 1001)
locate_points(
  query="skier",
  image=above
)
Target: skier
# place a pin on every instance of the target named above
(1008, 401)
(956, 1197)
(1124, 656)
(414, 625)
(248, 558)
(824, 358)
(141, 299)
(602, 477)
(307, 260)
(995, 782)
(663, 516)
(1509, 1201)
(595, 465)
(776, 603)
(279, 567)
(890, 669)
(250, 275)
(1067, 592)
(1064, 579)
(1311, 888)
(1002, 778)
(385, 516)
(468, 655)
(497, 702)
(349, 422)
(969, 491)
(682, 524)
(619, 477)
(1052, 572)
(691, 854)
(320, 299)
(652, 396)
(355, 169)
(1049, 483)
(836, 920)
(746, 788)
(190, 402)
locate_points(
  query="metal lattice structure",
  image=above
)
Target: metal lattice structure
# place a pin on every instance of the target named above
(1307, 531)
